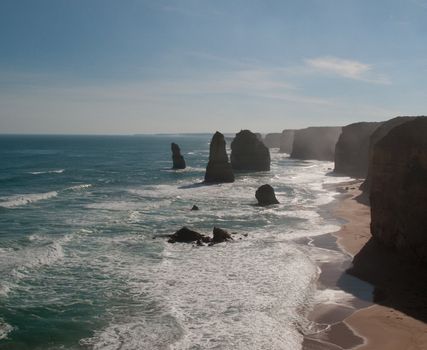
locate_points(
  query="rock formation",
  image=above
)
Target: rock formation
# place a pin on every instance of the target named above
(376, 136)
(194, 207)
(352, 149)
(272, 140)
(399, 189)
(286, 141)
(220, 235)
(265, 195)
(249, 153)
(218, 168)
(186, 235)
(177, 158)
(315, 143)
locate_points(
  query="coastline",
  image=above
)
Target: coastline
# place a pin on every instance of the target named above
(359, 323)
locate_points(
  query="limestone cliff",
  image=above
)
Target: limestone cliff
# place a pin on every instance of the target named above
(399, 189)
(249, 153)
(352, 149)
(315, 143)
(286, 141)
(272, 140)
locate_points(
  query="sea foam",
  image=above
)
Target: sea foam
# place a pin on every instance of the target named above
(24, 199)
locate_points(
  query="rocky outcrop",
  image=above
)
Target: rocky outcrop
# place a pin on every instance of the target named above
(220, 235)
(186, 235)
(286, 141)
(352, 149)
(177, 158)
(218, 168)
(265, 195)
(399, 189)
(194, 208)
(376, 136)
(249, 153)
(272, 140)
(315, 143)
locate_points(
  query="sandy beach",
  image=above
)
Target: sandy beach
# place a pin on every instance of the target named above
(366, 325)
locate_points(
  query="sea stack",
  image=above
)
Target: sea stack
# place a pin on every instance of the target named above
(399, 190)
(376, 136)
(316, 143)
(272, 140)
(249, 153)
(352, 149)
(218, 168)
(177, 158)
(265, 195)
(286, 141)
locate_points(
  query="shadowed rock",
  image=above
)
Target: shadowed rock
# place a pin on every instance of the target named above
(272, 140)
(352, 149)
(286, 141)
(220, 235)
(249, 153)
(399, 190)
(218, 168)
(177, 158)
(315, 143)
(376, 136)
(186, 235)
(265, 195)
(194, 207)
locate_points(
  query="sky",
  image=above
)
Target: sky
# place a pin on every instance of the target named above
(156, 66)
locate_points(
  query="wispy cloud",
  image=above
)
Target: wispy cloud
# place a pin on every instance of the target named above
(346, 68)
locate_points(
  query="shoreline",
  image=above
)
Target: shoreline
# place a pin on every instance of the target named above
(362, 324)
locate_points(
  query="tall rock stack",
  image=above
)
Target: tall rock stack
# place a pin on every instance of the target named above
(316, 143)
(286, 141)
(177, 158)
(218, 168)
(352, 149)
(272, 140)
(249, 153)
(376, 136)
(399, 189)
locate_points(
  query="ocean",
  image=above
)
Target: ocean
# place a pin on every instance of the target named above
(84, 263)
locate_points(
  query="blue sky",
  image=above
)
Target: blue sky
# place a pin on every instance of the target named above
(135, 66)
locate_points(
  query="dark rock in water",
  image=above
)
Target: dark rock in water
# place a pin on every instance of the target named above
(195, 207)
(177, 158)
(315, 143)
(352, 149)
(272, 140)
(220, 235)
(376, 136)
(265, 195)
(286, 141)
(249, 153)
(185, 235)
(218, 168)
(399, 190)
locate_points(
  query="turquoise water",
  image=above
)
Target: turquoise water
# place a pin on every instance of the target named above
(80, 268)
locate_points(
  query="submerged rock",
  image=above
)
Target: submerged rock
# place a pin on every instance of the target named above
(249, 153)
(186, 235)
(218, 168)
(352, 149)
(286, 141)
(177, 158)
(194, 207)
(220, 235)
(399, 190)
(265, 195)
(316, 143)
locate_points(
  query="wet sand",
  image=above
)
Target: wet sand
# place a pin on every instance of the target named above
(360, 324)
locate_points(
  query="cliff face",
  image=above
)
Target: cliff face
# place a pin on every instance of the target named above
(177, 158)
(315, 143)
(272, 140)
(352, 149)
(376, 136)
(249, 153)
(286, 141)
(399, 189)
(218, 168)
